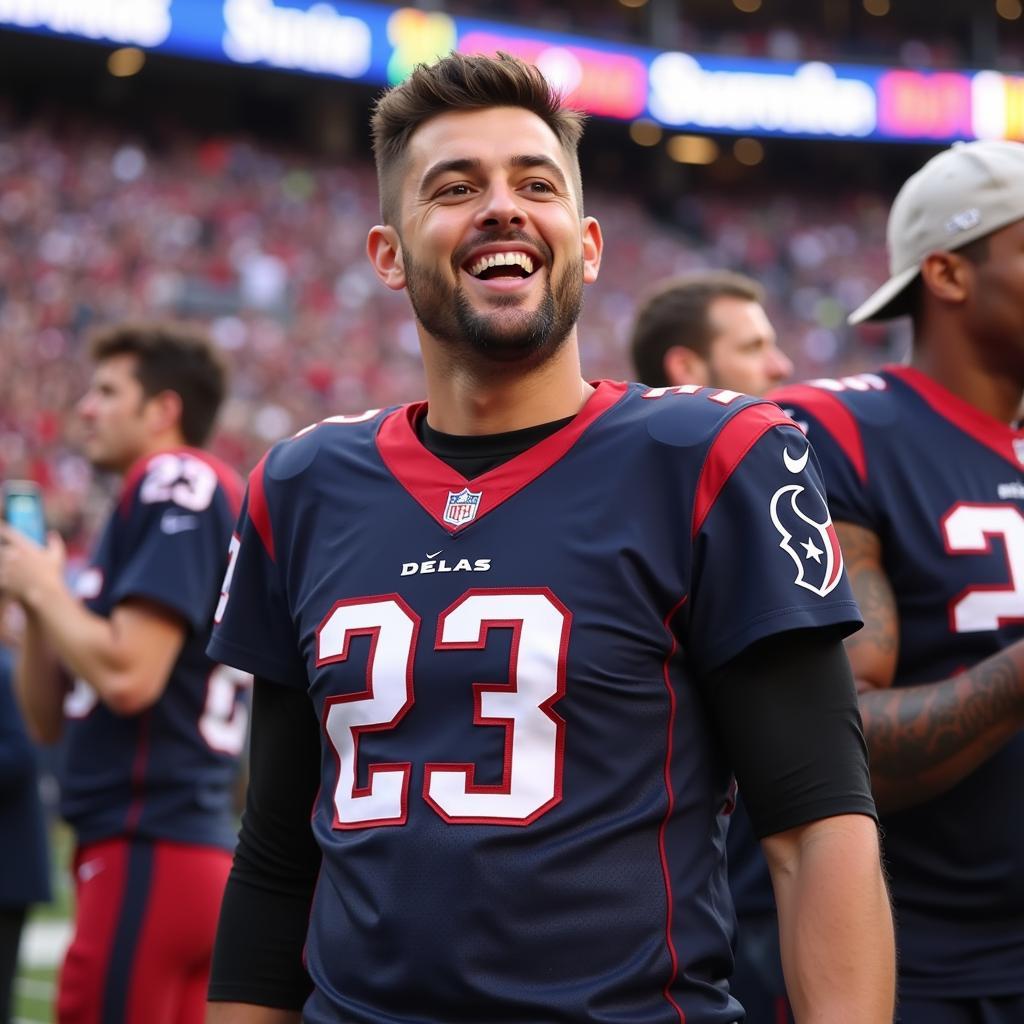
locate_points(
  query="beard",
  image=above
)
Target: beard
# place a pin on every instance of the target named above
(508, 333)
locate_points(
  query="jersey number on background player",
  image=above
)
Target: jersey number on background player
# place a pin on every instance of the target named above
(969, 529)
(532, 782)
(224, 720)
(187, 481)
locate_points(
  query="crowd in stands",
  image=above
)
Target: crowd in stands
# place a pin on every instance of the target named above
(266, 247)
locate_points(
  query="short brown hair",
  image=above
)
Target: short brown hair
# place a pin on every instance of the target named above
(676, 313)
(171, 357)
(459, 83)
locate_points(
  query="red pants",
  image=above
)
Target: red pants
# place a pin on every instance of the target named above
(144, 929)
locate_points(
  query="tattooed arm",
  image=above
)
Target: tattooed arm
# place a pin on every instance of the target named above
(921, 739)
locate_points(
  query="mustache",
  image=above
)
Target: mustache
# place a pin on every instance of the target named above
(461, 254)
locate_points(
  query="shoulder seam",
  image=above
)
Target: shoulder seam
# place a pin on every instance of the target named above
(725, 453)
(258, 510)
(835, 418)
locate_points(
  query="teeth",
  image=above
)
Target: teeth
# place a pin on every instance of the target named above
(502, 259)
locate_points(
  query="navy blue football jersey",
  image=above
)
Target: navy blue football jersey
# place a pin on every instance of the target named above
(941, 485)
(24, 854)
(166, 773)
(522, 804)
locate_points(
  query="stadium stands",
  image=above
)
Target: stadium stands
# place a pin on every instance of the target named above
(267, 247)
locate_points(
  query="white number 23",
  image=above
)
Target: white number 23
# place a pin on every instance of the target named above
(532, 778)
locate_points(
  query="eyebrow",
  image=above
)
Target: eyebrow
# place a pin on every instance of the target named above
(468, 165)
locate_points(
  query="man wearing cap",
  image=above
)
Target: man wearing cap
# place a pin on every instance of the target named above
(924, 466)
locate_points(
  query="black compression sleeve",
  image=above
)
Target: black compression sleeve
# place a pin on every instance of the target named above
(786, 711)
(263, 920)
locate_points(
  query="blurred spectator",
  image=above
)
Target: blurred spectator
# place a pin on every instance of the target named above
(24, 858)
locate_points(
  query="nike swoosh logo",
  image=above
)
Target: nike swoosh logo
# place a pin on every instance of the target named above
(436, 553)
(795, 465)
(172, 522)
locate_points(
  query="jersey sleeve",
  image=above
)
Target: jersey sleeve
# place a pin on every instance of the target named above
(766, 558)
(17, 757)
(172, 528)
(839, 445)
(253, 626)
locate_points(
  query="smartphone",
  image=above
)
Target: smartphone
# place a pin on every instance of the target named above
(23, 508)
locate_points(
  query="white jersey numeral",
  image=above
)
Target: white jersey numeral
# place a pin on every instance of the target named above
(522, 706)
(392, 626)
(969, 529)
(225, 588)
(187, 481)
(80, 699)
(224, 723)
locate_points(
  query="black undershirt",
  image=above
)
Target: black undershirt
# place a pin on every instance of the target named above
(785, 710)
(473, 455)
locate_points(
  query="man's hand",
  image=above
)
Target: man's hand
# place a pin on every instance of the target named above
(126, 658)
(29, 572)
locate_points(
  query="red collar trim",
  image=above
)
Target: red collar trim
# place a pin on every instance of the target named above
(999, 437)
(433, 482)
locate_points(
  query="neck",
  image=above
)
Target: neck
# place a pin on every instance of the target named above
(162, 442)
(955, 362)
(496, 398)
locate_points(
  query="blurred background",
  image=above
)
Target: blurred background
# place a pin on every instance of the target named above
(210, 160)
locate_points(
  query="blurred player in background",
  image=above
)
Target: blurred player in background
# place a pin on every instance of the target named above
(711, 329)
(24, 856)
(708, 328)
(923, 465)
(154, 728)
(511, 694)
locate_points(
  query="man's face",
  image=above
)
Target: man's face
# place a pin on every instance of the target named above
(744, 355)
(996, 303)
(114, 415)
(493, 250)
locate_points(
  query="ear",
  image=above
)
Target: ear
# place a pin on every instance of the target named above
(683, 366)
(593, 246)
(384, 249)
(947, 277)
(164, 411)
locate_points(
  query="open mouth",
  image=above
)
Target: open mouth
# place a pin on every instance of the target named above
(512, 265)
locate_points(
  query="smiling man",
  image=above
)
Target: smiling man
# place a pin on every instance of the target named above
(516, 778)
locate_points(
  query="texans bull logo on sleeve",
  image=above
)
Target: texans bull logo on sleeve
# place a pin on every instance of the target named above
(808, 537)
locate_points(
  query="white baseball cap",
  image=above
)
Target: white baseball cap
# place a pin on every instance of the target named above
(963, 193)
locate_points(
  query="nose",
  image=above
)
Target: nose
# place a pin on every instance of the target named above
(780, 366)
(87, 406)
(501, 208)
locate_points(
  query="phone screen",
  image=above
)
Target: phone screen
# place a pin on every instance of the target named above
(23, 509)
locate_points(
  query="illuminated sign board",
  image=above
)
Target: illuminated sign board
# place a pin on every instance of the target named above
(927, 106)
(319, 40)
(380, 45)
(814, 99)
(602, 81)
(997, 106)
(138, 22)
(334, 39)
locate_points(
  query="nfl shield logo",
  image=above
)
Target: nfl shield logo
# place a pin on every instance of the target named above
(462, 506)
(1018, 449)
